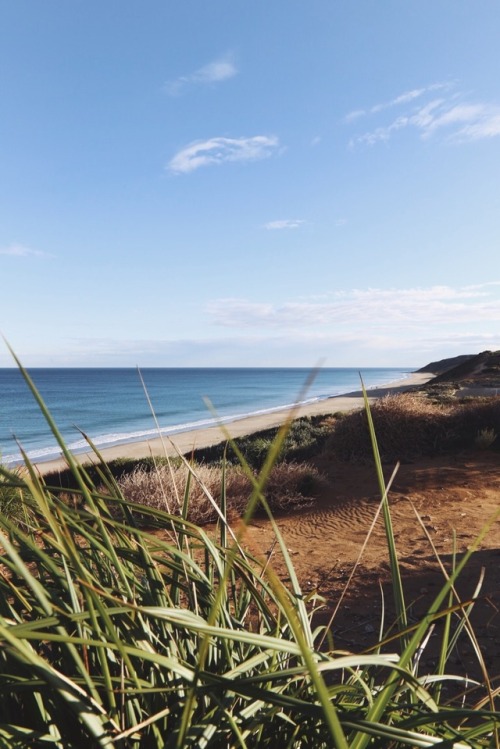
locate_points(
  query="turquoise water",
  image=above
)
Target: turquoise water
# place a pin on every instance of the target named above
(110, 405)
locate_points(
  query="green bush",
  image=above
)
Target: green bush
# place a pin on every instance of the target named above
(305, 437)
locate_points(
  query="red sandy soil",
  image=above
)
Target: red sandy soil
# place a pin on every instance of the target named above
(452, 495)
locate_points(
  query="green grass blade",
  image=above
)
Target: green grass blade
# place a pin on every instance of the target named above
(397, 585)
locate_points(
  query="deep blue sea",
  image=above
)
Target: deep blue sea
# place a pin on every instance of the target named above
(110, 405)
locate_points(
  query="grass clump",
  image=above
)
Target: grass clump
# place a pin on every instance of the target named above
(485, 438)
(290, 485)
(14, 500)
(117, 468)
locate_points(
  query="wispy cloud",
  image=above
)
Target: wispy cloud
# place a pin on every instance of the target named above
(404, 98)
(18, 250)
(450, 115)
(383, 308)
(477, 121)
(355, 115)
(290, 223)
(220, 150)
(214, 72)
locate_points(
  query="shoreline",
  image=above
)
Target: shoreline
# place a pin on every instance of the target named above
(185, 442)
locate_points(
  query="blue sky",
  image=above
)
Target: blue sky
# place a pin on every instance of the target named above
(242, 183)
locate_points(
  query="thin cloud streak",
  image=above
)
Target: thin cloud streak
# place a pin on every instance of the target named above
(284, 224)
(220, 150)
(404, 98)
(384, 308)
(18, 250)
(214, 72)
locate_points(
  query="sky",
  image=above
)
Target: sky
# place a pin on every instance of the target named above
(236, 183)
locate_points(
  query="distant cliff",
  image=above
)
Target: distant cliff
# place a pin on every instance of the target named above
(443, 365)
(482, 369)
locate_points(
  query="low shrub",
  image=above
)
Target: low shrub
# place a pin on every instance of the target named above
(289, 485)
(409, 425)
(305, 438)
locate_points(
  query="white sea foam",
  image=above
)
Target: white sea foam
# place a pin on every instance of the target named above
(112, 439)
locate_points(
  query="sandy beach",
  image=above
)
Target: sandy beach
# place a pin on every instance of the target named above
(184, 442)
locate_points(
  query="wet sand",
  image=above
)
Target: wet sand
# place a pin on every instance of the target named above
(185, 442)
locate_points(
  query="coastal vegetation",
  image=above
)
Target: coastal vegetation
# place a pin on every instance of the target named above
(14, 501)
(116, 633)
(411, 425)
(408, 426)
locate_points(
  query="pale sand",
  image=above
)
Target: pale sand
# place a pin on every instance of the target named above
(185, 442)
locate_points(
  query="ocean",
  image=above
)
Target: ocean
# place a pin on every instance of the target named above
(110, 405)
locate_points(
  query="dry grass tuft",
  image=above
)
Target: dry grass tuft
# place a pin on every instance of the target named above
(290, 485)
(485, 438)
(410, 425)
